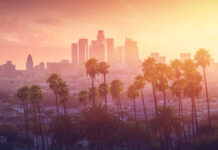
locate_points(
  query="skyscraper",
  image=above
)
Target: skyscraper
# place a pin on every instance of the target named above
(75, 55)
(131, 55)
(29, 63)
(118, 54)
(110, 50)
(100, 51)
(83, 51)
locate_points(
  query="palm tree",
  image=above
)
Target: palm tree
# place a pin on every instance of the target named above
(24, 95)
(133, 93)
(178, 83)
(83, 97)
(92, 70)
(203, 59)
(167, 123)
(116, 89)
(36, 96)
(163, 77)
(53, 84)
(103, 91)
(192, 88)
(63, 93)
(150, 74)
(103, 69)
(139, 83)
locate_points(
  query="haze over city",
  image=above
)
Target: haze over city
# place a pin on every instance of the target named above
(46, 29)
(108, 75)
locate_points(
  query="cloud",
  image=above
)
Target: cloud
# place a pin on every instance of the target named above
(49, 21)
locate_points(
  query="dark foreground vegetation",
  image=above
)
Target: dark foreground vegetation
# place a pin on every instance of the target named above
(98, 127)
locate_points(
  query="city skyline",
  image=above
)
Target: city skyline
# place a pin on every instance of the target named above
(46, 30)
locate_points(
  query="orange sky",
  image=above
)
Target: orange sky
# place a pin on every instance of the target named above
(46, 28)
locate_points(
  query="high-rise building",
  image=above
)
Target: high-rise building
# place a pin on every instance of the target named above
(118, 54)
(83, 51)
(131, 55)
(8, 69)
(158, 58)
(185, 56)
(92, 47)
(100, 47)
(75, 55)
(110, 50)
(29, 63)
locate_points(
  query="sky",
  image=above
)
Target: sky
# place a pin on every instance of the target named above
(46, 28)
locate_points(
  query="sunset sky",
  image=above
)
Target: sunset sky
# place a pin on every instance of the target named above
(46, 28)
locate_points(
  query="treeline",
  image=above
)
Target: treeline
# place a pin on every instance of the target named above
(99, 128)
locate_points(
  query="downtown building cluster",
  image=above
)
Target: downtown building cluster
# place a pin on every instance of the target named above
(103, 49)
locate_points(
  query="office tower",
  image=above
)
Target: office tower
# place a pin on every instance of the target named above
(92, 47)
(158, 58)
(83, 51)
(8, 69)
(118, 54)
(185, 56)
(29, 63)
(131, 55)
(110, 50)
(75, 55)
(100, 46)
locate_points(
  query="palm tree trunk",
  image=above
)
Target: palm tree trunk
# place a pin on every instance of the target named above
(105, 90)
(45, 132)
(26, 126)
(65, 108)
(136, 124)
(121, 110)
(41, 127)
(155, 100)
(57, 106)
(36, 127)
(165, 102)
(118, 109)
(196, 119)
(208, 102)
(145, 113)
(193, 126)
(93, 97)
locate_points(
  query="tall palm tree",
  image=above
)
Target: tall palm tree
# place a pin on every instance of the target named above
(63, 93)
(36, 96)
(133, 93)
(163, 77)
(203, 59)
(192, 88)
(116, 88)
(103, 91)
(53, 80)
(103, 69)
(178, 83)
(139, 83)
(23, 94)
(83, 97)
(92, 70)
(150, 74)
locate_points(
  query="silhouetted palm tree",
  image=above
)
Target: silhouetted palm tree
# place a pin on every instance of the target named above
(53, 80)
(192, 88)
(139, 83)
(116, 89)
(163, 77)
(133, 93)
(83, 97)
(103, 91)
(167, 123)
(103, 69)
(63, 93)
(203, 59)
(24, 95)
(150, 74)
(92, 70)
(36, 96)
(178, 83)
